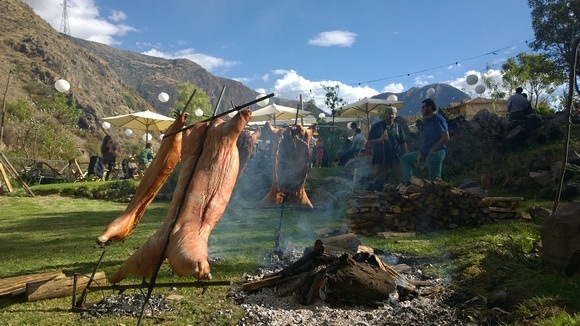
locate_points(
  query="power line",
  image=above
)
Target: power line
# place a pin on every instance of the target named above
(494, 52)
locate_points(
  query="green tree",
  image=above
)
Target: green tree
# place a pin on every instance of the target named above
(496, 89)
(61, 107)
(333, 101)
(200, 101)
(37, 135)
(534, 72)
(327, 131)
(556, 23)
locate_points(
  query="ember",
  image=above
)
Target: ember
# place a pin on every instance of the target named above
(127, 305)
(283, 303)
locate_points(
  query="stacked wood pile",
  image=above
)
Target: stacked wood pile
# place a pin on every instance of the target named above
(422, 206)
(47, 285)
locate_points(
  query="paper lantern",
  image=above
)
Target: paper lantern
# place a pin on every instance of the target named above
(147, 137)
(479, 89)
(163, 97)
(471, 79)
(198, 112)
(430, 92)
(128, 132)
(106, 125)
(263, 102)
(62, 85)
(321, 115)
(393, 98)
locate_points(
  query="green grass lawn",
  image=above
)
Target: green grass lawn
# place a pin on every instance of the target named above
(57, 233)
(53, 233)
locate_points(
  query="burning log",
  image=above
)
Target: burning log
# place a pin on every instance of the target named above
(362, 279)
(291, 162)
(348, 281)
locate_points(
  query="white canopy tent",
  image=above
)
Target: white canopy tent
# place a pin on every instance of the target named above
(275, 112)
(366, 107)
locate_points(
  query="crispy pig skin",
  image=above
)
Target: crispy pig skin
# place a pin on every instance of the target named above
(199, 199)
(246, 143)
(161, 167)
(291, 162)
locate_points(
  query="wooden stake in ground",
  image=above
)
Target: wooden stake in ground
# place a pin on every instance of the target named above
(5, 178)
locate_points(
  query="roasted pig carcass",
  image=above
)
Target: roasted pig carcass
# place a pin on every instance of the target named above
(207, 177)
(291, 163)
(157, 173)
(246, 144)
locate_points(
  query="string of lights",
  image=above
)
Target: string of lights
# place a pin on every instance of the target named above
(457, 62)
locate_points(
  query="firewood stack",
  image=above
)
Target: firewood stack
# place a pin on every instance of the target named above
(420, 206)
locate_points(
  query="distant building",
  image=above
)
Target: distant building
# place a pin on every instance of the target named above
(470, 107)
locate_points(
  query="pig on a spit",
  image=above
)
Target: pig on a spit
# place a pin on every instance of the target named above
(161, 167)
(200, 199)
(291, 163)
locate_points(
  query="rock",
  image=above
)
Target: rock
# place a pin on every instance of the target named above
(477, 191)
(363, 166)
(340, 188)
(539, 163)
(542, 177)
(321, 197)
(561, 239)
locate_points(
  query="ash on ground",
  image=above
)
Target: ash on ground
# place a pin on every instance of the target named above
(267, 307)
(127, 305)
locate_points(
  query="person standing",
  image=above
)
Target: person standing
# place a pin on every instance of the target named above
(435, 138)
(518, 105)
(388, 141)
(146, 156)
(110, 149)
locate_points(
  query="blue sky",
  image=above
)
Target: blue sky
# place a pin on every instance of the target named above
(293, 47)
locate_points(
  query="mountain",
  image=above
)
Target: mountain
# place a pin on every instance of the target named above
(104, 81)
(444, 95)
(151, 75)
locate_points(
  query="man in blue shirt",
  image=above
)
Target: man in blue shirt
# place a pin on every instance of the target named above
(435, 138)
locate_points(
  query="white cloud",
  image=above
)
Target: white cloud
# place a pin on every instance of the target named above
(84, 20)
(265, 78)
(393, 88)
(206, 61)
(333, 38)
(290, 85)
(117, 16)
(424, 80)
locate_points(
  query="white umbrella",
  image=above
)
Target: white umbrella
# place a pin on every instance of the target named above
(277, 112)
(366, 107)
(144, 120)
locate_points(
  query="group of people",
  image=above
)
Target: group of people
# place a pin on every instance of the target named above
(390, 151)
(111, 149)
(390, 156)
(519, 106)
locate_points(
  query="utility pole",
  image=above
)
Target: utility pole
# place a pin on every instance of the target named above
(64, 26)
